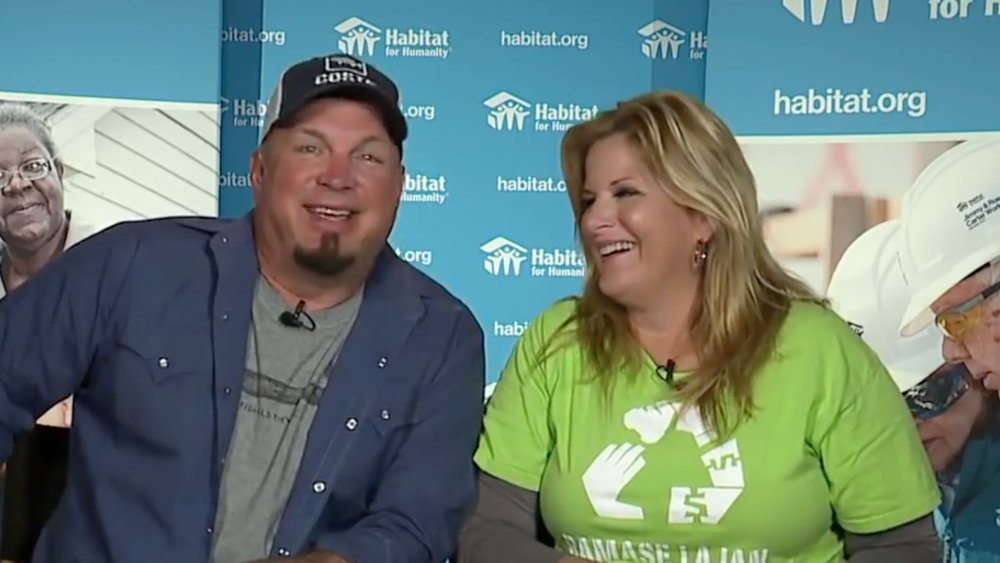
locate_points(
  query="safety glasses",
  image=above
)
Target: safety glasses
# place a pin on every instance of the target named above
(956, 323)
(938, 392)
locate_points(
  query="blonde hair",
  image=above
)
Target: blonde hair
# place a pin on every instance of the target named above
(745, 293)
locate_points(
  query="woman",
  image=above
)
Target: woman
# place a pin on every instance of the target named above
(34, 229)
(696, 403)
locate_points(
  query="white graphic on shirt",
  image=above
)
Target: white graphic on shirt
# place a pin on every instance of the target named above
(604, 480)
(616, 466)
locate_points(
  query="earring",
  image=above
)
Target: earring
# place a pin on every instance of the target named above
(700, 253)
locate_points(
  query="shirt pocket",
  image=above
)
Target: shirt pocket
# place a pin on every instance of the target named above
(160, 386)
(165, 355)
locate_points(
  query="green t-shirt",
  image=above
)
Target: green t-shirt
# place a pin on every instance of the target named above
(627, 479)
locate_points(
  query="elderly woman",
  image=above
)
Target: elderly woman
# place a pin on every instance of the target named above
(697, 403)
(34, 229)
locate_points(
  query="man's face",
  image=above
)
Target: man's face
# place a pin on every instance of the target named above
(979, 347)
(327, 188)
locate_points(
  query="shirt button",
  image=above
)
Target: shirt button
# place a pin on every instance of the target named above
(382, 362)
(209, 531)
(225, 240)
(319, 487)
(352, 423)
(163, 362)
(225, 317)
(227, 390)
(384, 414)
(284, 552)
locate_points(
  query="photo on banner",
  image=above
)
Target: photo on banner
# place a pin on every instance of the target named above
(100, 162)
(127, 160)
(834, 214)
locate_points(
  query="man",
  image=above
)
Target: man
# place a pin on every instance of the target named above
(956, 420)
(949, 254)
(278, 386)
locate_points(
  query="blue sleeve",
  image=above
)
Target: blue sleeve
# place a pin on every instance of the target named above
(51, 326)
(425, 494)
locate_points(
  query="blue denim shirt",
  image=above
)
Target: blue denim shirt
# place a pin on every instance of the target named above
(146, 323)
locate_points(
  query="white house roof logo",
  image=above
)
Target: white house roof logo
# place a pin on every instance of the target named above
(661, 40)
(504, 257)
(357, 37)
(507, 111)
(848, 10)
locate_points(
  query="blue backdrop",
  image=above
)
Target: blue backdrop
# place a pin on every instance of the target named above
(488, 98)
(489, 95)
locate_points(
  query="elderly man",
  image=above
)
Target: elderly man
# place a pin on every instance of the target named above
(950, 256)
(278, 386)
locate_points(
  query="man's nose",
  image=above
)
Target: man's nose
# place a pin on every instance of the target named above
(16, 185)
(338, 172)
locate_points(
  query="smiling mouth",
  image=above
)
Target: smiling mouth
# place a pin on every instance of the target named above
(23, 207)
(615, 248)
(327, 213)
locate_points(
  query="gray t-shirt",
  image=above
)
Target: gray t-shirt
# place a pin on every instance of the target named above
(286, 373)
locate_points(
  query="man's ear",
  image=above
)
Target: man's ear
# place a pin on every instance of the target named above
(257, 170)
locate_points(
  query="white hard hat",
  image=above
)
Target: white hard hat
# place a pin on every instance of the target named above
(950, 225)
(867, 289)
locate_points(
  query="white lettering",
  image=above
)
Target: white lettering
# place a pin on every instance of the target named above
(422, 257)
(616, 549)
(834, 101)
(513, 329)
(236, 35)
(993, 7)
(234, 180)
(949, 9)
(543, 39)
(427, 113)
(530, 184)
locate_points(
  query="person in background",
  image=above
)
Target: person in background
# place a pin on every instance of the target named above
(956, 418)
(697, 402)
(950, 254)
(280, 386)
(35, 229)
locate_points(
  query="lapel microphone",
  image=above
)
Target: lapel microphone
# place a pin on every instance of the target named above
(295, 320)
(666, 372)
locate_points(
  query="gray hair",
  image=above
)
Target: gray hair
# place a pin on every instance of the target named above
(20, 115)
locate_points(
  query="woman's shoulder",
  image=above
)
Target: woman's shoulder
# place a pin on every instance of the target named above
(814, 335)
(818, 323)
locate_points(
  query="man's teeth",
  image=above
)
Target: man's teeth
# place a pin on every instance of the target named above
(331, 212)
(616, 247)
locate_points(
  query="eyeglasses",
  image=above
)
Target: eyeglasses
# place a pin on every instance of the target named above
(938, 392)
(956, 323)
(31, 170)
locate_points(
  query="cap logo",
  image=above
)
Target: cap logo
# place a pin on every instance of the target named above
(338, 62)
(343, 69)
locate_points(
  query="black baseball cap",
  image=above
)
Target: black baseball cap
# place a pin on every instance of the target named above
(338, 76)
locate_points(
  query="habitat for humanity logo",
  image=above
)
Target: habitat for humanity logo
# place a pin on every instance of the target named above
(508, 112)
(423, 188)
(661, 40)
(506, 258)
(361, 38)
(243, 112)
(848, 9)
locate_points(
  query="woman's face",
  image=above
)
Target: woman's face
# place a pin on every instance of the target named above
(31, 211)
(639, 237)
